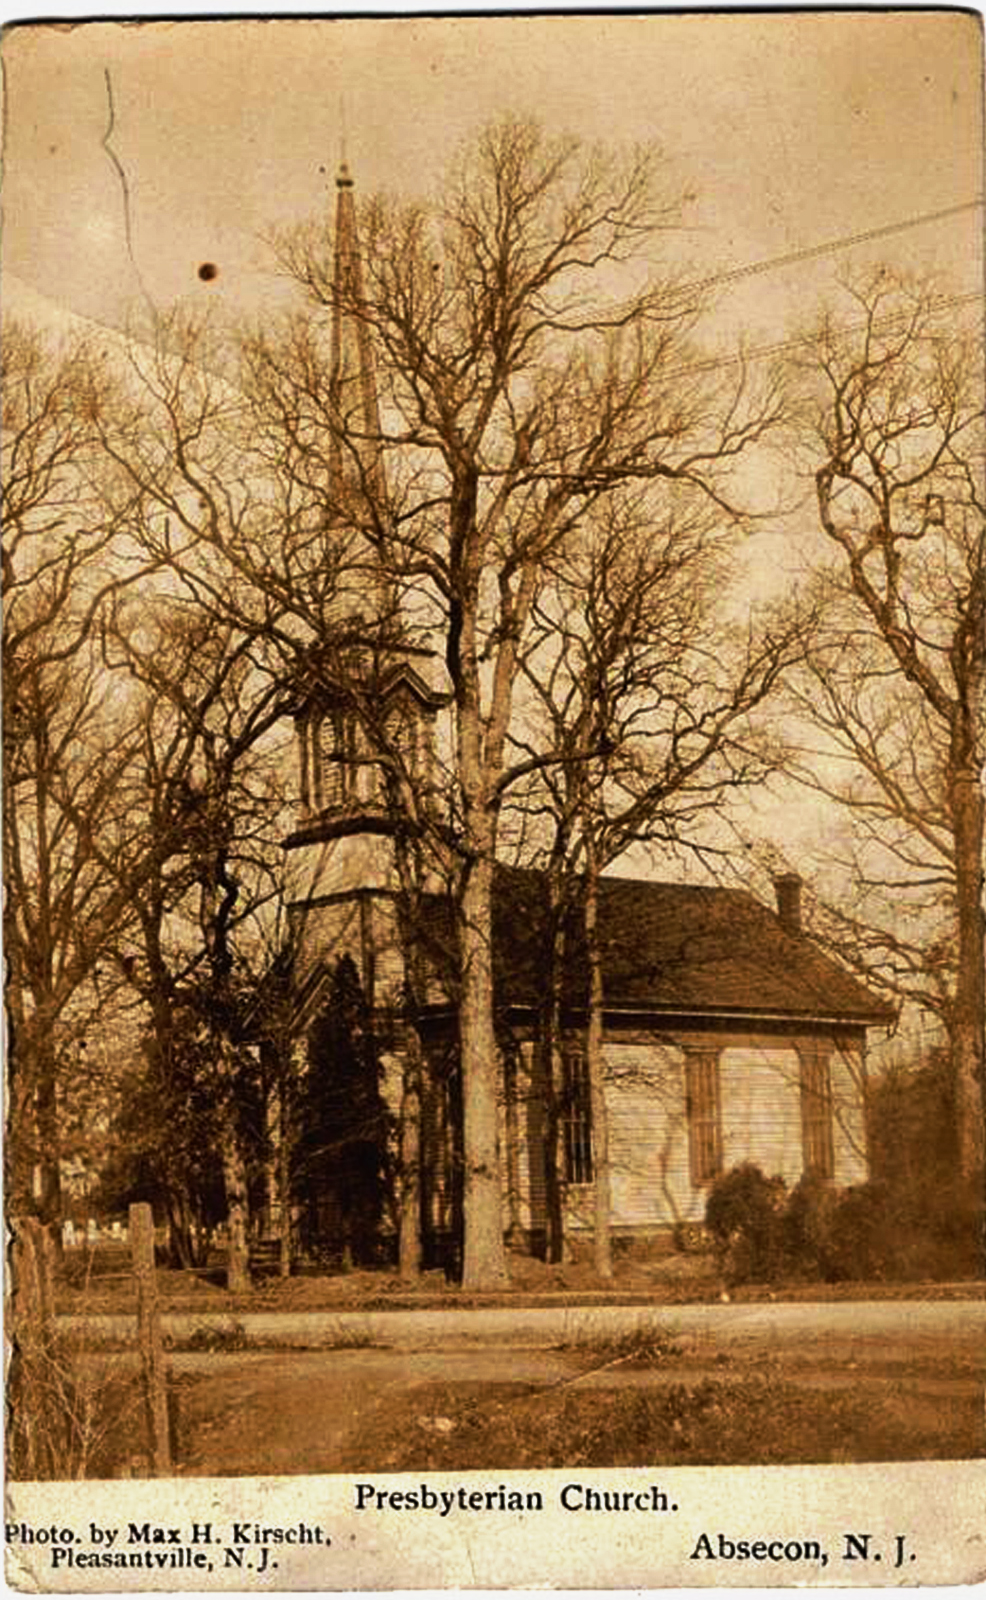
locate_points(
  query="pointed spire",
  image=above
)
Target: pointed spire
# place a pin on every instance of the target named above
(353, 376)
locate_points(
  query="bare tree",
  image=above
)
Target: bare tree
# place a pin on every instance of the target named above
(235, 493)
(209, 801)
(62, 788)
(647, 694)
(517, 388)
(56, 532)
(66, 743)
(891, 426)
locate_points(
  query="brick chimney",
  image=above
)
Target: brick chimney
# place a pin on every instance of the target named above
(787, 888)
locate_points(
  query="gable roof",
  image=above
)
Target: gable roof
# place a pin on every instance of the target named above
(674, 948)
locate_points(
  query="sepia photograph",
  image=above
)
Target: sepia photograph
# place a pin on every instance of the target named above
(494, 655)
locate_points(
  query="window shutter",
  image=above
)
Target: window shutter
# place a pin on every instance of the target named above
(816, 1114)
(704, 1116)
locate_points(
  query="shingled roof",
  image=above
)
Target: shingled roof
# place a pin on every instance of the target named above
(674, 949)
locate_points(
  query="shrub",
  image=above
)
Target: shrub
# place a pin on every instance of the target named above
(860, 1234)
(744, 1214)
(935, 1231)
(909, 1231)
(807, 1229)
(640, 1347)
(961, 1230)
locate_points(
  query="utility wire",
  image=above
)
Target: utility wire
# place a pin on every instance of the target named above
(811, 251)
(759, 352)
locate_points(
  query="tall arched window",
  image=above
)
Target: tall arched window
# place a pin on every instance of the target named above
(336, 752)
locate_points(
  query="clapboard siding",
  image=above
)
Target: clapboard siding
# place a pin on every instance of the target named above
(760, 1087)
(761, 1110)
(645, 1098)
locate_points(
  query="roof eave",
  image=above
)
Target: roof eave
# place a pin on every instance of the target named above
(624, 1011)
(858, 1019)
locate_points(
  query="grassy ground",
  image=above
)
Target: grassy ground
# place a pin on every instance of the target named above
(665, 1404)
(739, 1421)
(307, 1414)
(647, 1399)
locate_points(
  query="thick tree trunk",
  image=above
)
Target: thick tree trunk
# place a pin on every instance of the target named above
(966, 801)
(237, 1210)
(285, 1252)
(409, 1247)
(549, 1032)
(484, 1259)
(49, 1187)
(479, 762)
(182, 1252)
(21, 1141)
(272, 1169)
(413, 1154)
(277, 1155)
(20, 1145)
(602, 1239)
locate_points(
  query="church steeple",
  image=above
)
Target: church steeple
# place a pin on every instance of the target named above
(367, 706)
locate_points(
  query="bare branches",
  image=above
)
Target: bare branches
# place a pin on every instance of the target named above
(900, 424)
(893, 409)
(647, 694)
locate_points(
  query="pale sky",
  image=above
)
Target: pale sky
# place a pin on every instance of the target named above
(793, 130)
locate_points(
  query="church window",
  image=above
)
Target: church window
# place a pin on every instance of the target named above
(816, 1114)
(335, 769)
(345, 765)
(576, 1109)
(704, 1107)
(403, 741)
(344, 771)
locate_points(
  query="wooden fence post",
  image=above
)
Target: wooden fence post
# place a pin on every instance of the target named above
(149, 1338)
(36, 1422)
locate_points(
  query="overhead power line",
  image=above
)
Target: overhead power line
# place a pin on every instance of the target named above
(810, 252)
(760, 351)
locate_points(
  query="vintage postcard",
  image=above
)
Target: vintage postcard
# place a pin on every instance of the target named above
(494, 652)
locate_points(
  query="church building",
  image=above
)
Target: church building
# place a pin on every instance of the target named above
(728, 1035)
